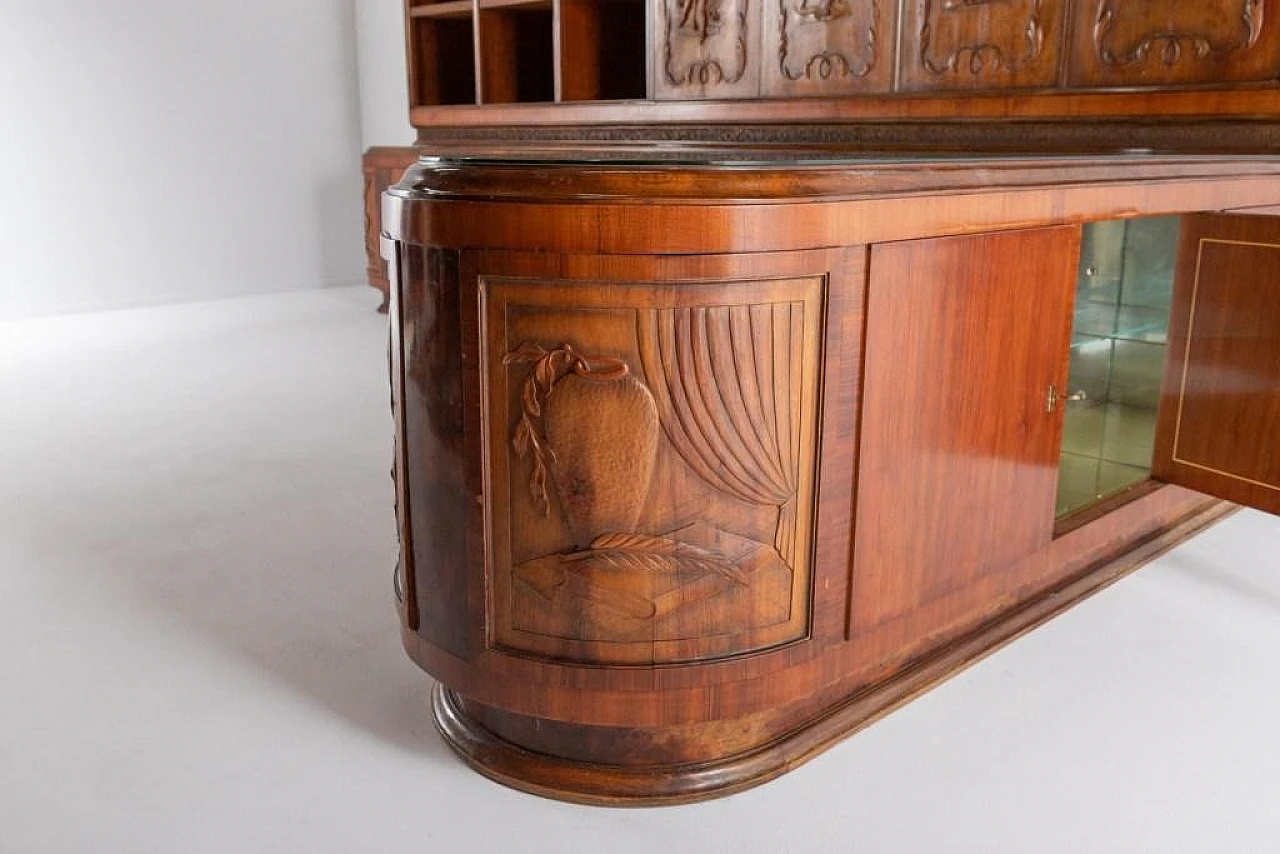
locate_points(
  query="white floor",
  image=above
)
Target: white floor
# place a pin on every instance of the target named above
(197, 651)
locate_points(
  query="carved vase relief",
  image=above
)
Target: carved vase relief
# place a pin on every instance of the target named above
(986, 42)
(705, 45)
(652, 495)
(827, 40)
(1172, 32)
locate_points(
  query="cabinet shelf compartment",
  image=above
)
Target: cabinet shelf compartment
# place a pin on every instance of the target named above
(602, 50)
(1118, 347)
(517, 54)
(442, 56)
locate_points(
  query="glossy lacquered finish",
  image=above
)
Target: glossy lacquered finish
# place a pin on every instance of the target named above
(698, 478)
(1220, 408)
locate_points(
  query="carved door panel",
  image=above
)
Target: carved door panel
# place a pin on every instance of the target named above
(1163, 42)
(958, 456)
(707, 49)
(981, 44)
(1219, 424)
(652, 433)
(827, 47)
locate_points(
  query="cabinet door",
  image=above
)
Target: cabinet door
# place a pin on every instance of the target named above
(959, 449)
(1219, 427)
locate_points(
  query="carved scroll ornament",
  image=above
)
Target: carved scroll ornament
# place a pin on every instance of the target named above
(1174, 30)
(827, 39)
(705, 43)
(980, 37)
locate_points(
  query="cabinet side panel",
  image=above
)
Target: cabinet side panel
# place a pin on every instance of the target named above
(436, 480)
(958, 463)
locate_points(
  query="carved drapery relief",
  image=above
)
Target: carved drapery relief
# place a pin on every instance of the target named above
(705, 42)
(653, 470)
(827, 39)
(1171, 31)
(727, 382)
(980, 37)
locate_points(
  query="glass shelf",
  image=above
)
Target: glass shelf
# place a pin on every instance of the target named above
(1118, 345)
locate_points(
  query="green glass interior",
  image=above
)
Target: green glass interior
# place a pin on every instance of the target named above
(1118, 343)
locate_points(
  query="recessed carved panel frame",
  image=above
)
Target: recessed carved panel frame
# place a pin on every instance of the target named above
(652, 456)
(827, 47)
(708, 49)
(1156, 42)
(981, 44)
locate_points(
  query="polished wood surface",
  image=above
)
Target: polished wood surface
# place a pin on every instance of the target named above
(381, 166)
(582, 445)
(958, 463)
(1219, 429)
(562, 766)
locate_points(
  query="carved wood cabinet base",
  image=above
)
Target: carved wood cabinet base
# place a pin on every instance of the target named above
(701, 467)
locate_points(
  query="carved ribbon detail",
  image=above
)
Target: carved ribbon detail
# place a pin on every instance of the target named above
(727, 383)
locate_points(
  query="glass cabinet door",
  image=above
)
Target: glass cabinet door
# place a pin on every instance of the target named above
(1118, 343)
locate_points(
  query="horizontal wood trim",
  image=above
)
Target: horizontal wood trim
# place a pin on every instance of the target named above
(1241, 101)
(448, 9)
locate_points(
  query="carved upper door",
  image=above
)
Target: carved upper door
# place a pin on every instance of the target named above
(653, 450)
(708, 49)
(827, 47)
(1159, 42)
(1219, 424)
(981, 44)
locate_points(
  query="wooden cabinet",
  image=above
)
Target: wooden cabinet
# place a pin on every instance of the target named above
(703, 467)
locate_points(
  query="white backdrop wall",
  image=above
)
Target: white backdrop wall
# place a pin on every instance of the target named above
(158, 151)
(384, 90)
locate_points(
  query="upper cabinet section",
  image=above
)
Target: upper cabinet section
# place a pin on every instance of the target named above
(503, 52)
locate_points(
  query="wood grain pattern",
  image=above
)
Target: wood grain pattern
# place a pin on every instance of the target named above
(1166, 42)
(827, 47)
(580, 253)
(653, 465)
(561, 760)
(955, 437)
(981, 44)
(1219, 426)
(708, 48)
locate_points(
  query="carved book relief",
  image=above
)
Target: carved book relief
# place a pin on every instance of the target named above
(653, 466)
(1171, 32)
